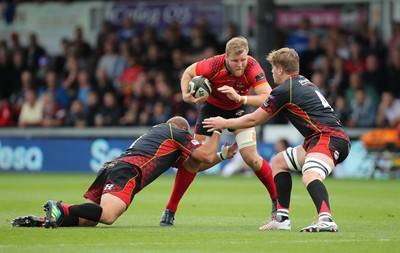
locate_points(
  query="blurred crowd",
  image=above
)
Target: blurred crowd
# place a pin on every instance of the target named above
(131, 76)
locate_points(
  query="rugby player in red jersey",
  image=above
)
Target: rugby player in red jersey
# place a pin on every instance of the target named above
(325, 145)
(233, 76)
(118, 181)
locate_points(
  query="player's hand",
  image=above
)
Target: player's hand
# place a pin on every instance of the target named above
(190, 99)
(230, 93)
(231, 150)
(214, 123)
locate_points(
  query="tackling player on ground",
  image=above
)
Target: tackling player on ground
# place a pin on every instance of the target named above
(163, 146)
(232, 75)
(326, 143)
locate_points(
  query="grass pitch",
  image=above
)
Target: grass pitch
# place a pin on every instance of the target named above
(216, 215)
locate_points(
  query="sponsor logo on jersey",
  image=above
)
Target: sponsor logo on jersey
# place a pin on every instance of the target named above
(108, 187)
(239, 113)
(260, 77)
(195, 142)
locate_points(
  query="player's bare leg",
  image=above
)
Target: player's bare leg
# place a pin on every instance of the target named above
(246, 139)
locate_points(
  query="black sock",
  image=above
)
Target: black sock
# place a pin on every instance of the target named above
(283, 182)
(319, 194)
(86, 211)
(69, 221)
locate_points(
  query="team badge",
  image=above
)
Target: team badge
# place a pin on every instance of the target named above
(336, 154)
(260, 77)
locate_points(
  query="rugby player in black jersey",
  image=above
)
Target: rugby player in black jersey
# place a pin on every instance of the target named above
(326, 142)
(165, 145)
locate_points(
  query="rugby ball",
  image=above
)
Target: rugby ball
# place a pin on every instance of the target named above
(201, 85)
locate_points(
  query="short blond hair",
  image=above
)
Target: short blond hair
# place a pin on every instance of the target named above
(237, 45)
(179, 122)
(285, 58)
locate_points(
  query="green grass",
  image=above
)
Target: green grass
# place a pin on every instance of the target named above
(216, 215)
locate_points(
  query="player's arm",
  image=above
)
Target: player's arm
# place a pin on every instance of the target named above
(227, 152)
(255, 100)
(262, 93)
(208, 152)
(188, 97)
(249, 120)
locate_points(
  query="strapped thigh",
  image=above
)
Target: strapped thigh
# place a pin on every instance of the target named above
(317, 165)
(290, 155)
(246, 138)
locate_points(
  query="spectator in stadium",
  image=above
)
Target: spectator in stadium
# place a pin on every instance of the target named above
(18, 67)
(32, 110)
(93, 108)
(310, 55)
(375, 45)
(394, 41)
(76, 115)
(300, 38)
(52, 85)
(17, 98)
(84, 87)
(342, 109)
(155, 60)
(60, 59)
(231, 30)
(233, 76)
(173, 38)
(103, 84)
(70, 75)
(355, 83)
(33, 53)
(128, 30)
(119, 180)
(388, 114)
(394, 72)
(109, 60)
(159, 113)
(363, 110)
(53, 113)
(199, 46)
(6, 113)
(128, 77)
(326, 142)
(374, 75)
(356, 61)
(130, 117)
(5, 71)
(107, 27)
(176, 68)
(338, 79)
(16, 44)
(110, 111)
(80, 47)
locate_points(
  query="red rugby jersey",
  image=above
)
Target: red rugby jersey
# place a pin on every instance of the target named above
(214, 69)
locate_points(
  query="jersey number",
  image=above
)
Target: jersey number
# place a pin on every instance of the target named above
(323, 100)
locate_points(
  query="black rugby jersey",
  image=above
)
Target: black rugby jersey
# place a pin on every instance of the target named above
(305, 107)
(162, 147)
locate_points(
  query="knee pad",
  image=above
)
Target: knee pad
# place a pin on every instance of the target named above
(317, 165)
(290, 155)
(246, 138)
